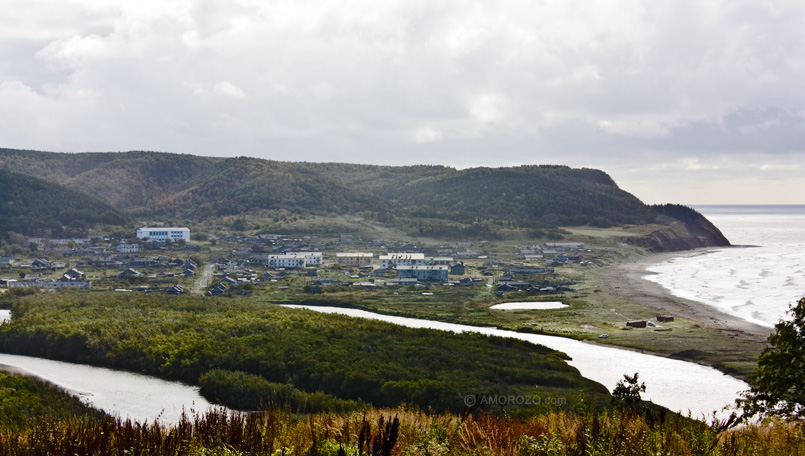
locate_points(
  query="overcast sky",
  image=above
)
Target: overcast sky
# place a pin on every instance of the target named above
(680, 101)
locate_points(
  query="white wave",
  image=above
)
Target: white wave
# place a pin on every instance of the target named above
(753, 283)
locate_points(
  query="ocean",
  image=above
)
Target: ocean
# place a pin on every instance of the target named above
(756, 279)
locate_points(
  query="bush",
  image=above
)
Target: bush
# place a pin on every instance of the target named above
(252, 392)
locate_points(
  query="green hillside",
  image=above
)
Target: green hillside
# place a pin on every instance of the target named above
(240, 185)
(126, 181)
(462, 202)
(35, 207)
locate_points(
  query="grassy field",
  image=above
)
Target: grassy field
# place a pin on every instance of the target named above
(386, 432)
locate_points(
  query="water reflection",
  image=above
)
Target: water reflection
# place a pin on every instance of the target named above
(123, 394)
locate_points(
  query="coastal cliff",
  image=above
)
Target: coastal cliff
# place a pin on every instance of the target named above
(683, 228)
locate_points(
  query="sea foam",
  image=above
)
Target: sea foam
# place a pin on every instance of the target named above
(758, 278)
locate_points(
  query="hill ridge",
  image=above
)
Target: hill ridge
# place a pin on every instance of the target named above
(158, 184)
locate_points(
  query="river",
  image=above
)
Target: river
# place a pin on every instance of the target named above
(118, 393)
(122, 394)
(678, 385)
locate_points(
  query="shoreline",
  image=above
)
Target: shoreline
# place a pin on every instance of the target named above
(626, 282)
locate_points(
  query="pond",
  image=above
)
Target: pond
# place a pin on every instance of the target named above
(544, 305)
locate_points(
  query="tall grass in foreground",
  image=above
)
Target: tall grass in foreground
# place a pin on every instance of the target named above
(403, 432)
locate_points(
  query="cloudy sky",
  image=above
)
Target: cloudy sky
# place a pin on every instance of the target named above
(680, 101)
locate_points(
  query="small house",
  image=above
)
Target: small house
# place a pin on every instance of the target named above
(42, 263)
(404, 283)
(75, 274)
(129, 272)
(175, 290)
(218, 290)
(458, 269)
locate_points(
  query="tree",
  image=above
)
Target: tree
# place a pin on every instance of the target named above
(240, 225)
(627, 392)
(778, 383)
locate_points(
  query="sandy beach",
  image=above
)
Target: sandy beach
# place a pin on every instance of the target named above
(627, 282)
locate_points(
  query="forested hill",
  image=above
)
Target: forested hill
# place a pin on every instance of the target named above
(35, 207)
(151, 184)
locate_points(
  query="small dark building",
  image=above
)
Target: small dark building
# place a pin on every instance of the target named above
(637, 324)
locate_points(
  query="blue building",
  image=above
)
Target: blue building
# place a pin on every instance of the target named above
(424, 273)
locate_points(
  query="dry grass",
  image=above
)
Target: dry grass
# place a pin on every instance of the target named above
(405, 432)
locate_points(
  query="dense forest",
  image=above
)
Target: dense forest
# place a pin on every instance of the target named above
(35, 207)
(230, 346)
(457, 202)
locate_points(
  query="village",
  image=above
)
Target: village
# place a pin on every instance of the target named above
(164, 259)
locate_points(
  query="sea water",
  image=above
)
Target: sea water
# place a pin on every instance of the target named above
(756, 279)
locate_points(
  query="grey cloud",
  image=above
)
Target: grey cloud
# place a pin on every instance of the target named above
(607, 84)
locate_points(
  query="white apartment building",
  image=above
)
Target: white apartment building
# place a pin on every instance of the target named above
(164, 233)
(392, 260)
(312, 259)
(290, 260)
(128, 248)
(285, 261)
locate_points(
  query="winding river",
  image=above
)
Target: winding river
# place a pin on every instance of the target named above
(678, 385)
(122, 394)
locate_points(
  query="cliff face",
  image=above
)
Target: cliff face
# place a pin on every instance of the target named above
(684, 229)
